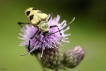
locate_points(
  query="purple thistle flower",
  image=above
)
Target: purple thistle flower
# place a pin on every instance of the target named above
(51, 40)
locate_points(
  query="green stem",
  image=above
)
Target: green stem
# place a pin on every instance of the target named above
(56, 69)
(40, 62)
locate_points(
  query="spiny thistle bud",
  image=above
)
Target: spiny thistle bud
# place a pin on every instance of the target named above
(52, 58)
(73, 57)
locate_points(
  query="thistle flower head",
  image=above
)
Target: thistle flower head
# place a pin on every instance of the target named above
(52, 58)
(73, 56)
(56, 34)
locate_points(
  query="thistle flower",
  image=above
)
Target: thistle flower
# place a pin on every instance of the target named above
(52, 58)
(54, 37)
(73, 57)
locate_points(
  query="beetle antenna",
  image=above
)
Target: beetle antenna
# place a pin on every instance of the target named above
(50, 16)
(63, 28)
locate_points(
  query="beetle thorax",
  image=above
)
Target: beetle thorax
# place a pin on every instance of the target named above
(43, 26)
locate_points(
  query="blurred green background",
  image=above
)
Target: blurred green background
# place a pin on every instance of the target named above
(88, 30)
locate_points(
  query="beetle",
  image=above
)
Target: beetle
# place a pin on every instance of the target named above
(40, 20)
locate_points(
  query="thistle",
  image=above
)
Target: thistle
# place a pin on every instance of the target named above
(56, 35)
(73, 57)
(52, 58)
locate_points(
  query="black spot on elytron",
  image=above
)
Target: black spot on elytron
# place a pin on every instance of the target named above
(31, 17)
(39, 22)
(34, 9)
(27, 13)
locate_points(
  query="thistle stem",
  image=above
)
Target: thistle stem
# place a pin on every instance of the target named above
(40, 62)
(56, 69)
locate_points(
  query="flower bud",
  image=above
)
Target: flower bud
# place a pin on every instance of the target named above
(73, 57)
(52, 58)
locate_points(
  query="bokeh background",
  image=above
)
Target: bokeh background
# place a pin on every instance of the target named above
(88, 30)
